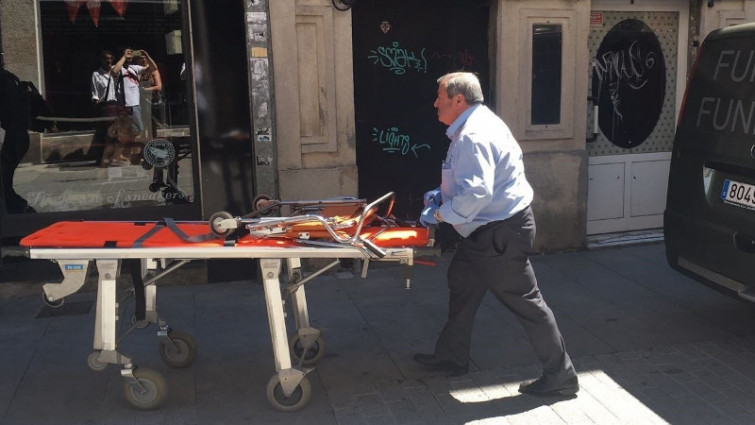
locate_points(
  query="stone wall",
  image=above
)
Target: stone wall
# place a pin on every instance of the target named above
(21, 41)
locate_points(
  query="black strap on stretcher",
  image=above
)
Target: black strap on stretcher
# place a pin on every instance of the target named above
(134, 266)
(140, 301)
(140, 241)
(171, 224)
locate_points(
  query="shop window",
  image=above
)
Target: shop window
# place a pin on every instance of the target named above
(547, 66)
(547, 57)
(117, 132)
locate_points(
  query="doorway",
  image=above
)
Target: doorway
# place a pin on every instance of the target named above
(397, 60)
(636, 83)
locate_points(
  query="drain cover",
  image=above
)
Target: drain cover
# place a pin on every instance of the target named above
(72, 308)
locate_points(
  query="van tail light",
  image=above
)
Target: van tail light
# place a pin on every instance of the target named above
(691, 74)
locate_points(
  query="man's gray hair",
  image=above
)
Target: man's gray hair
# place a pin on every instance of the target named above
(464, 83)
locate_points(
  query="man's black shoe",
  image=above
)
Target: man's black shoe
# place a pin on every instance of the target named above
(432, 362)
(550, 387)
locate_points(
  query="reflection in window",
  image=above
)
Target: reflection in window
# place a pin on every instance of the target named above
(546, 74)
(114, 85)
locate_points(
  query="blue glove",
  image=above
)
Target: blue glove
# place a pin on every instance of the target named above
(428, 215)
(433, 196)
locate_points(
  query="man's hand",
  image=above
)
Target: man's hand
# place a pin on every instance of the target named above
(428, 215)
(433, 196)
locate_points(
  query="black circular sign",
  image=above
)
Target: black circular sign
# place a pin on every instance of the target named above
(159, 152)
(629, 83)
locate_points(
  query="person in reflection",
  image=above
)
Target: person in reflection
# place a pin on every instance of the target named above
(121, 147)
(129, 74)
(104, 89)
(485, 196)
(102, 85)
(20, 105)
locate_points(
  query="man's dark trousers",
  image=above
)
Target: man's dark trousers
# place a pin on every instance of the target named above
(495, 257)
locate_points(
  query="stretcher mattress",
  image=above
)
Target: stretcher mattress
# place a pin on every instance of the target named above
(104, 234)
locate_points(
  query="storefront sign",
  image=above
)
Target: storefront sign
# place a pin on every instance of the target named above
(596, 18)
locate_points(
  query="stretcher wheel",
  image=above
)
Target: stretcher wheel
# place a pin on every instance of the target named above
(94, 363)
(181, 352)
(53, 304)
(215, 220)
(151, 394)
(314, 354)
(262, 204)
(298, 399)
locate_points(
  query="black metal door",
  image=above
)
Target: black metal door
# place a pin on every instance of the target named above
(400, 50)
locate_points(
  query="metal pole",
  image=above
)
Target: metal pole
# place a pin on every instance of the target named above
(2, 52)
(259, 52)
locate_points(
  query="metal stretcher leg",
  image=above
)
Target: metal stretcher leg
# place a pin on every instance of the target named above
(106, 314)
(307, 346)
(289, 388)
(144, 388)
(298, 298)
(177, 349)
(145, 294)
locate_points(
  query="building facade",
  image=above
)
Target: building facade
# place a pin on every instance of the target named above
(334, 97)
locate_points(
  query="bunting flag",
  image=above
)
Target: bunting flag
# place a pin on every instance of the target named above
(94, 11)
(72, 6)
(119, 6)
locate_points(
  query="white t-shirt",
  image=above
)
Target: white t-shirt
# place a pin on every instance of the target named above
(101, 82)
(130, 75)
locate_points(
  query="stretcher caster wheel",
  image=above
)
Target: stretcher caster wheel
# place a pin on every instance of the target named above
(150, 394)
(262, 203)
(53, 304)
(94, 363)
(298, 399)
(215, 220)
(179, 349)
(313, 355)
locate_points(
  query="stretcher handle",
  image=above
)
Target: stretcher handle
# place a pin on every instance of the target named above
(369, 208)
(370, 246)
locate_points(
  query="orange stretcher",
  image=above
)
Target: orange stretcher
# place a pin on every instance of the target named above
(151, 250)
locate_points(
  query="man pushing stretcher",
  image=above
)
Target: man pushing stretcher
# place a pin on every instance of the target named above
(485, 195)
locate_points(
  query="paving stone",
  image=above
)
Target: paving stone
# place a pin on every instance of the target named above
(650, 347)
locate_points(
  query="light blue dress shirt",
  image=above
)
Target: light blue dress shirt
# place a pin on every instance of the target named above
(483, 174)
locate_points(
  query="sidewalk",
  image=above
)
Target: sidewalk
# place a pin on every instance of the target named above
(650, 346)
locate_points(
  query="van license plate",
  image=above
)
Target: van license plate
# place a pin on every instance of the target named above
(740, 194)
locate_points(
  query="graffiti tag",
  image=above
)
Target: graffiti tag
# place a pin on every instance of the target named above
(628, 66)
(398, 60)
(393, 141)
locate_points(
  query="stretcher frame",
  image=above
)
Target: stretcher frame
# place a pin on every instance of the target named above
(288, 389)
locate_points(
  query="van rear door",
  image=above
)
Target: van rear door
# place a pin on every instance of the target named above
(709, 222)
